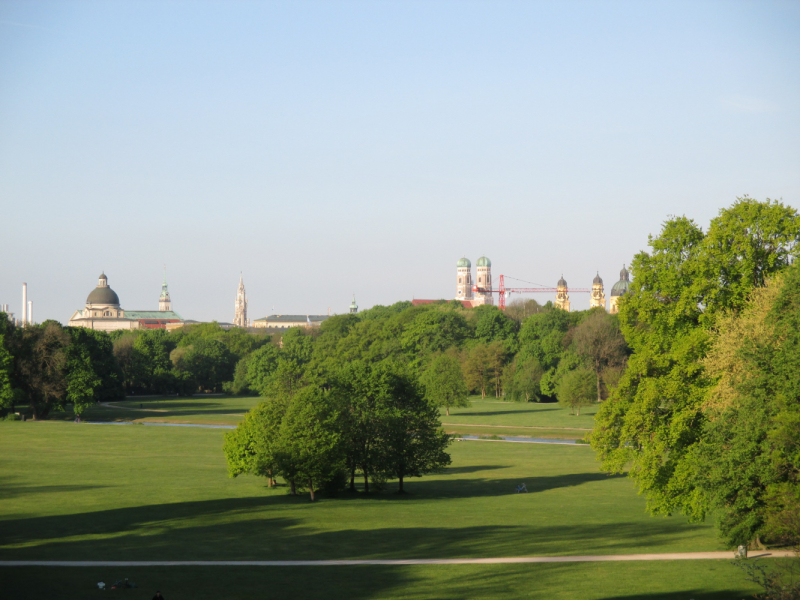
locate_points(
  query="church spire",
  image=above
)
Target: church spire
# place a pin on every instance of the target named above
(240, 309)
(164, 302)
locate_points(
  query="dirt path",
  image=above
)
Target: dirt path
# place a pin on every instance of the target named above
(410, 561)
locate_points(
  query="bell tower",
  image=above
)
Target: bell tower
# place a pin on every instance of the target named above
(562, 295)
(463, 279)
(484, 281)
(598, 294)
(164, 303)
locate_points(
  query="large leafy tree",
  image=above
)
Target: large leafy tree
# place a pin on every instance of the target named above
(599, 342)
(654, 419)
(444, 382)
(747, 461)
(415, 443)
(40, 353)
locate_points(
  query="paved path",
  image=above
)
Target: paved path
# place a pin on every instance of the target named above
(408, 561)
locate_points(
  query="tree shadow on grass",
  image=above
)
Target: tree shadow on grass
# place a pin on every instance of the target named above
(248, 528)
(497, 413)
(472, 469)
(10, 490)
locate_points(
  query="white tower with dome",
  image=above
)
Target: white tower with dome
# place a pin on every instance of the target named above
(463, 279)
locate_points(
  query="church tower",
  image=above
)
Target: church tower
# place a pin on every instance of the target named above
(240, 313)
(353, 306)
(484, 274)
(619, 289)
(464, 279)
(562, 295)
(598, 295)
(164, 302)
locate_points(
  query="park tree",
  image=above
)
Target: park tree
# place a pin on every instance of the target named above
(746, 463)
(492, 325)
(478, 368)
(365, 390)
(40, 353)
(599, 342)
(261, 365)
(523, 380)
(6, 372)
(520, 309)
(309, 447)
(415, 443)
(433, 330)
(444, 382)
(208, 362)
(577, 389)
(251, 447)
(654, 420)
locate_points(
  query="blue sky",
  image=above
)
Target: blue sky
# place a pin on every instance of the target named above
(331, 148)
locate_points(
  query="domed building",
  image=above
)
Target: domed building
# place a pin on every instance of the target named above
(484, 281)
(619, 289)
(598, 297)
(463, 279)
(104, 313)
(562, 295)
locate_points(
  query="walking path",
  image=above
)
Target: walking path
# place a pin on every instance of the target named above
(400, 561)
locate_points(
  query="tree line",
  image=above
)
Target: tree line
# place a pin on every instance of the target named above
(529, 353)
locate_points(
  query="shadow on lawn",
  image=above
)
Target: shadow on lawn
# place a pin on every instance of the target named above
(10, 490)
(486, 413)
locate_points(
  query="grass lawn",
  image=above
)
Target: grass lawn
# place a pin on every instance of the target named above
(493, 411)
(649, 580)
(205, 410)
(100, 492)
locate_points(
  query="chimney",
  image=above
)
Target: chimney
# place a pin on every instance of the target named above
(30, 312)
(24, 303)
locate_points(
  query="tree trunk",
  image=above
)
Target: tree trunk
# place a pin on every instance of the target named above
(597, 371)
(366, 482)
(292, 489)
(400, 489)
(447, 410)
(579, 411)
(353, 479)
(311, 488)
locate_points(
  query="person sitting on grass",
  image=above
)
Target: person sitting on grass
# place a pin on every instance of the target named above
(522, 488)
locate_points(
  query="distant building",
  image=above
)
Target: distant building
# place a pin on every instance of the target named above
(104, 313)
(287, 321)
(464, 279)
(353, 306)
(598, 297)
(562, 295)
(619, 289)
(240, 308)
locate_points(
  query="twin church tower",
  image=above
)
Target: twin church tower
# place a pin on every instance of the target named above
(473, 293)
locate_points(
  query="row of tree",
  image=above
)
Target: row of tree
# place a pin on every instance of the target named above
(706, 417)
(371, 419)
(530, 353)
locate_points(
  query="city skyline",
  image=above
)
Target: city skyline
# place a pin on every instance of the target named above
(325, 150)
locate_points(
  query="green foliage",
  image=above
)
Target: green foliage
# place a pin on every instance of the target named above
(40, 360)
(523, 380)
(577, 389)
(444, 382)
(6, 372)
(207, 361)
(433, 331)
(655, 420)
(599, 342)
(747, 462)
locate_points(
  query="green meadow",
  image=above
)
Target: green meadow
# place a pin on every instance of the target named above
(72, 491)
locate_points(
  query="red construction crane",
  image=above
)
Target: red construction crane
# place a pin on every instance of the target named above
(504, 291)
